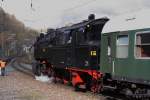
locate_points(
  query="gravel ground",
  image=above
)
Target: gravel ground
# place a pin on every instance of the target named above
(18, 86)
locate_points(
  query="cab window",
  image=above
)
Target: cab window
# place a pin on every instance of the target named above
(81, 36)
(142, 46)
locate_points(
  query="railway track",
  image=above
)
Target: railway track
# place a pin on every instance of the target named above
(21, 68)
(112, 95)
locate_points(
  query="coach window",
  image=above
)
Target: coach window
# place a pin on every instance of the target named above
(143, 45)
(122, 46)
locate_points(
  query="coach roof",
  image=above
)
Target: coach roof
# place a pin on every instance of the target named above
(132, 21)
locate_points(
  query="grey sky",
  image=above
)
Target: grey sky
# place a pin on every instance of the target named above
(56, 13)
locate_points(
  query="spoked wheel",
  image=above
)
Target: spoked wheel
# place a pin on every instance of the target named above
(41, 69)
(96, 86)
(53, 74)
(140, 94)
(50, 72)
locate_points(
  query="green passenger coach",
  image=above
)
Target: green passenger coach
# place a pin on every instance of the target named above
(125, 52)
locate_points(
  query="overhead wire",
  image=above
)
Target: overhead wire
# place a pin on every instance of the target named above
(72, 8)
(31, 5)
(80, 5)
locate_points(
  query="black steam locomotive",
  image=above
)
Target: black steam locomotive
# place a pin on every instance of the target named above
(72, 53)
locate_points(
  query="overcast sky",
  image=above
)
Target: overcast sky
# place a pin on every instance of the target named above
(56, 13)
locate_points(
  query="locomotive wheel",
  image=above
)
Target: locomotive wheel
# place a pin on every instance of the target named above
(96, 86)
(50, 72)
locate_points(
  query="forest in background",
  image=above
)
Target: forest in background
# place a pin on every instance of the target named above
(15, 37)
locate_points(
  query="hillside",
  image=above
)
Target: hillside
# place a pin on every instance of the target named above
(14, 35)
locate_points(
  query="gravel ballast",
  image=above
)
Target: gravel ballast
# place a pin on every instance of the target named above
(18, 86)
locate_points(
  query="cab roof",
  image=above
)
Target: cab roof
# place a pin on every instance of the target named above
(130, 21)
(85, 23)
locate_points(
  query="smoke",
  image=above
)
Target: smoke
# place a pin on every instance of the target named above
(43, 78)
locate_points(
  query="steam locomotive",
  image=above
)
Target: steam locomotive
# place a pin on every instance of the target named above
(72, 52)
(98, 53)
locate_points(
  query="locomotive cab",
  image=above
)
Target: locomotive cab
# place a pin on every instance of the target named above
(86, 44)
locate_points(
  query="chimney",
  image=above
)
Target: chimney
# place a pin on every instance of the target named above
(91, 17)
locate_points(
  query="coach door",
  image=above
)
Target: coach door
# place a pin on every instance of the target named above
(121, 58)
(111, 52)
(108, 53)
